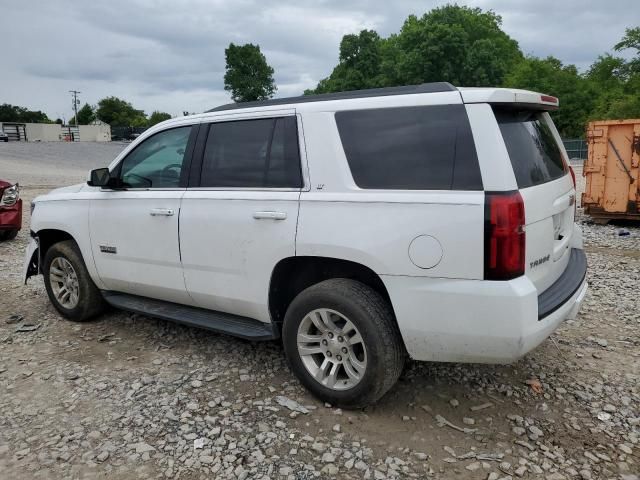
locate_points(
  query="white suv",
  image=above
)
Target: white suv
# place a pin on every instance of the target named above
(362, 227)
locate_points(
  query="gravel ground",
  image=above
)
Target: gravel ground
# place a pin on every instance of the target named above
(127, 396)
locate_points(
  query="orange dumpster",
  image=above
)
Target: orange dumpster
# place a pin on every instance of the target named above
(612, 170)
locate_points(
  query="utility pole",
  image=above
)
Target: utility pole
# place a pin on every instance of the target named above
(76, 102)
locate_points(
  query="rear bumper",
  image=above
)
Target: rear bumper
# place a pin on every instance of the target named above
(472, 320)
(11, 217)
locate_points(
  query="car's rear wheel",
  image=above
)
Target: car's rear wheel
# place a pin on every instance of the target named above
(342, 342)
(68, 284)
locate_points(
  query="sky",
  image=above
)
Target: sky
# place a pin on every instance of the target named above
(168, 55)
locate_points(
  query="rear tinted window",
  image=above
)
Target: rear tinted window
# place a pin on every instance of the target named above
(252, 154)
(535, 155)
(410, 148)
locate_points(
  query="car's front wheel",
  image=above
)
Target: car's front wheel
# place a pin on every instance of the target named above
(8, 234)
(69, 286)
(342, 342)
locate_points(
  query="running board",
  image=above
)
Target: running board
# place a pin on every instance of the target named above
(220, 322)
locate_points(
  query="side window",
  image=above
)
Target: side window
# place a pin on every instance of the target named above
(252, 154)
(158, 161)
(410, 148)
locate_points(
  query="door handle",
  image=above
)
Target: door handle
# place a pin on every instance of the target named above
(270, 215)
(161, 212)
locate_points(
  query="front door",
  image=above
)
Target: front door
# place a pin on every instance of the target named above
(134, 228)
(241, 218)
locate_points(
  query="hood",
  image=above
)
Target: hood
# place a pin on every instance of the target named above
(4, 184)
(70, 189)
(60, 191)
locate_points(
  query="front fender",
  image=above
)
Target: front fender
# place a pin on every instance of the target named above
(31, 263)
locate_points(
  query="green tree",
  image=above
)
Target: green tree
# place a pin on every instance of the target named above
(549, 75)
(248, 76)
(14, 113)
(461, 45)
(360, 64)
(157, 117)
(617, 81)
(631, 40)
(118, 112)
(86, 115)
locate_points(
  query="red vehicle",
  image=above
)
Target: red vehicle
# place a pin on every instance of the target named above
(10, 210)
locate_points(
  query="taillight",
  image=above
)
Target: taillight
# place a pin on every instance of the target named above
(504, 249)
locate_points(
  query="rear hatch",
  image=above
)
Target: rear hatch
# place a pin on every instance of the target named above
(547, 190)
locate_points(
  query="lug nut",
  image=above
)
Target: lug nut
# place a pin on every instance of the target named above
(339, 358)
(340, 339)
(330, 335)
(328, 354)
(344, 349)
(324, 342)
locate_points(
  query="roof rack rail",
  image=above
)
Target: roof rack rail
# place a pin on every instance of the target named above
(370, 92)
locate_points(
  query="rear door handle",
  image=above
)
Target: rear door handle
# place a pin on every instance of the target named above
(270, 215)
(161, 212)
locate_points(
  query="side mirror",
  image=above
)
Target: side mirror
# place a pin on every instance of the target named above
(99, 177)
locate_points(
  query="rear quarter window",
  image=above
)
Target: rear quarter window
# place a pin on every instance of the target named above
(410, 148)
(535, 155)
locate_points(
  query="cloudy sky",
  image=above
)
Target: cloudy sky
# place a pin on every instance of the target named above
(169, 55)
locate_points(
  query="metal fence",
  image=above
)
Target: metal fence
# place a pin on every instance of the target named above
(126, 133)
(576, 148)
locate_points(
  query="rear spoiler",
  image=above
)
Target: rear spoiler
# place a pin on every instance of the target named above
(509, 98)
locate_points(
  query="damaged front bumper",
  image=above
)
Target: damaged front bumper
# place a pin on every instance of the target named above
(31, 265)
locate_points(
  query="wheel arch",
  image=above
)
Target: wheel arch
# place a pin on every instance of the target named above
(292, 275)
(50, 236)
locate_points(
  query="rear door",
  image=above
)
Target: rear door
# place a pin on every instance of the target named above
(240, 217)
(543, 178)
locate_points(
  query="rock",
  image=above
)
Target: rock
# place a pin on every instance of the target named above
(625, 448)
(318, 447)
(291, 404)
(585, 475)
(493, 476)
(15, 318)
(482, 406)
(102, 456)
(468, 421)
(143, 447)
(336, 428)
(454, 402)
(556, 476)
(472, 467)
(328, 457)
(609, 408)
(535, 431)
(330, 469)
(520, 471)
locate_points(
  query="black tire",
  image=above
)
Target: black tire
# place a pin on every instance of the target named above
(8, 234)
(90, 301)
(373, 317)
